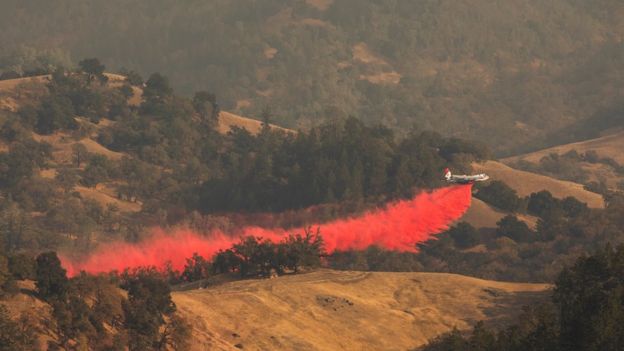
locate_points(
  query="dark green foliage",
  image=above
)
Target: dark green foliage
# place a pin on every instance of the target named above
(345, 161)
(72, 319)
(98, 169)
(205, 104)
(21, 161)
(573, 207)
(298, 251)
(149, 302)
(542, 204)
(196, 268)
(52, 283)
(56, 112)
(22, 267)
(157, 88)
(464, 235)
(515, 229)
(591, 299)
(253, 257)
(133, 78)
(500, 195)
(94, 69)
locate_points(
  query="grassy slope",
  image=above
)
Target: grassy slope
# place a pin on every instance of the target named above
(611, 145)
(526, 183)
(331, 310)
(607, 146)
(482, 215)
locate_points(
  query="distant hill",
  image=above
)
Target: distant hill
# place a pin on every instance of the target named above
(509, 73)
(334, 310)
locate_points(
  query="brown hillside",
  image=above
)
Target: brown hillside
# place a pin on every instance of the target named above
(332, 310)
(482, 215)
(606, 146)
(526, 183)
(228, 120)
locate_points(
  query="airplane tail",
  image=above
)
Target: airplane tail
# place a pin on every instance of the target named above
(447, 174)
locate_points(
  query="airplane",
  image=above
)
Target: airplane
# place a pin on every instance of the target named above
(464, 179)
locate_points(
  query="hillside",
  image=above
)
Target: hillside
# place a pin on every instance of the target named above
(494, 71)
(333, 310)
(482, 215)
(604, 165)
(611, 145)
(228, 120)
(526, 183)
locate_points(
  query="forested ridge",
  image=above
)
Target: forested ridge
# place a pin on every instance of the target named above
(172, 163)
(512, 73)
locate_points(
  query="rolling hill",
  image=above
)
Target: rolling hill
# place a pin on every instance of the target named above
(482, 215)
(526, 183)
(334, 310)
(495, 71)
(611, 145)
(607, 146)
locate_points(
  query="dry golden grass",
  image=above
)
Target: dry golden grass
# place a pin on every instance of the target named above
(228, 120)
(26, 305)
(526, 183)
(381, 72)
(332, 310)
(362, 53)
(101, 196)
(62, 147)
(606, 146)
(482, 215)
(10, 84)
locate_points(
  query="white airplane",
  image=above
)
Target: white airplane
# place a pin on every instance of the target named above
(464, 179)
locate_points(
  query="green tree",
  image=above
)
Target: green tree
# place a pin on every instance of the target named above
(52, 282)
(464, 235)
(515, 229)
(500, 195)
(94, 69)
(301, 251)
(149, 303)
(542, 203)
(196, 268)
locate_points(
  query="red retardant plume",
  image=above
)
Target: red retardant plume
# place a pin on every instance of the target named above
(398, 226)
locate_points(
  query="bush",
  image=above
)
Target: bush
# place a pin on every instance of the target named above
(465, 235)
(500, 195)
(514, 229)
